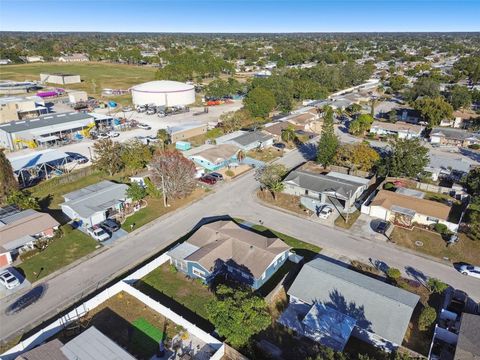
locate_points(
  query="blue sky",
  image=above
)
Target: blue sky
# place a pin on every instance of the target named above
(239, 15)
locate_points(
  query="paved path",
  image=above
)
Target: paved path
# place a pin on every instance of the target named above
(237, 200)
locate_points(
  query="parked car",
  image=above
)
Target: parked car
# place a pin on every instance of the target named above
(216, 175)
(98, 233)
(110, 225)
(151, 138)
(78, 158)
(113, 134)
(279, 146)
(470, 270)
(325, 212)
(9, 280)
(144, 126)
(383, 227)
(207, 179)
(101, 136)
(151, 111)
(127, 108)
(141, 109)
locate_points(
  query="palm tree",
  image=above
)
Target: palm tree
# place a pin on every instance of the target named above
(288, 134)
(276, 188)
(163, 136)
(240, 156)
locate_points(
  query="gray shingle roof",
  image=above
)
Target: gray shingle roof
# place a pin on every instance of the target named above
(468, 345)
(42, 121)
(456, 134)
(251, 137)
(378, 307)
(321, 183)
(96, 197)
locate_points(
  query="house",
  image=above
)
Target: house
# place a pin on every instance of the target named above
(19, 230)
(247, 140)
(468, 343)
(224, 247)
(406, 207)
(32, 59)
(344, 303)
(448, 167)
(89, 345)
(276, 129)
(308, 121)
(216, 157)
(95, 203)
(400, 129)
(19, 108)
(410, 116)
(341, 189)
(73, 58)
(453, 137)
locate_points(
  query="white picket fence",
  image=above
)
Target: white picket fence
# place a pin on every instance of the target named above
(123, 285)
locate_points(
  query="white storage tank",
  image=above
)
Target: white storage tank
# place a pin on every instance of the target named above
(163, 93)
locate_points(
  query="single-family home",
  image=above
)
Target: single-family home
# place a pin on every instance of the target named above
(341, 189)
(447, 167)
(95, 203)
(224, 247)
(453, 137)
(406, 207)
(400, 129)
(73, 58)
(308, 121)
(19, 230)
(276, 129)
(247, 140)
(329, 303)
(216, 157)
(468, 343)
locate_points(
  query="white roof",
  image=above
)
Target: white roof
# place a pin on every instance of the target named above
(36, 158)
(162, 86)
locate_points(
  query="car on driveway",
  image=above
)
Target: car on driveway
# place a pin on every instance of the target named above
(216, 175)
(110, 225)
(101, 136)
(470, 270)
(325, 212)
(383, 227)
(144, 126)
(127, 108)
(98, 233)
(113, 134)
(8, 280)
(207, 179)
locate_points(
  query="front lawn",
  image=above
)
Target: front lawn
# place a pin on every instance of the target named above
(466, 250)
(60, 252)
(265, 155)
(284, 201)
(340, 220)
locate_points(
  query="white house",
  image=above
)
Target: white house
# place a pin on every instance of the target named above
(400, 129)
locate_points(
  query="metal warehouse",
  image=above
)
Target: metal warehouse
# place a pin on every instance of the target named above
(46, 129)
(60, 78)
(163, 93)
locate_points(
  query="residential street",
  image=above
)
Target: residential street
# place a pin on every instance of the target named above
(237, 200)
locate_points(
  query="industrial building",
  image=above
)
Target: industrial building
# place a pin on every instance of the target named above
(20, 108)
(60, 78)
(163, 93)
(75, 97)
(184, 132)
(47, 129)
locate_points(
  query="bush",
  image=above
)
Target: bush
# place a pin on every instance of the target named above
(427, 318)
(389, 186)
(173, 269)
(229, 173)
(393, 273)
(441, 228)
(436, 286)
(474, 146)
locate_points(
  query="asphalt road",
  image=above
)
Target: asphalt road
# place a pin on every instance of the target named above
(237, 200)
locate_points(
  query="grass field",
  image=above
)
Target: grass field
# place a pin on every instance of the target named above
(60, 252)
(95, 76)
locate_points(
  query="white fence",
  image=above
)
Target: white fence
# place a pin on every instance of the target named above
(59, 324)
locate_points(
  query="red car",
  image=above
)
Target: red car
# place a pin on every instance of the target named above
(207, 179)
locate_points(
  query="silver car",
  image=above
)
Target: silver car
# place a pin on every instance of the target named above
(470, 270)
(9, 280)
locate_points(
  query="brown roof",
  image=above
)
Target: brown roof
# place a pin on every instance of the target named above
(35, 222)
(225, 240)
(398, 126)
(387, 199)
(302, 118)
(48, 351)
(276, 129)
(219, 153)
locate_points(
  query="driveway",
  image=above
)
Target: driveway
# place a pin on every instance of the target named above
(5, 293)
(364, 227)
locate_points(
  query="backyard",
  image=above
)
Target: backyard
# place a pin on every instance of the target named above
(95, 76)
(466, 250)
(61, 251)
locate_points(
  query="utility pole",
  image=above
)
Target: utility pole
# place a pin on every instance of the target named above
(163, 192)
(349, 197)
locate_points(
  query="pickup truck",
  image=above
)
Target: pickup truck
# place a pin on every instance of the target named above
(98, 233)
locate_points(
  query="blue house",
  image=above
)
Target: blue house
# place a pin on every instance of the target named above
(216, 157)
(223, 247)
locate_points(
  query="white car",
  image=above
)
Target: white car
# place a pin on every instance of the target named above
(325, 212)
(9, 280)
(470, 270)
(144, 126)
(101, 136)
(113, 134)
(98, 234)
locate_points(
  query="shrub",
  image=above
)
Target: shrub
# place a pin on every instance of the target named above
(436, 286)
(474, 146)
(389, 186)
(229, 173)
(173, 269)
(393, 273)
(427, 318)
(441, 228)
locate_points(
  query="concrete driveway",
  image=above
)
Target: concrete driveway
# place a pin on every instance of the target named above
(365, 227)
(24, 283)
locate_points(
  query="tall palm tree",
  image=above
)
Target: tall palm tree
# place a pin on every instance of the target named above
(240, 156)
(288, 134)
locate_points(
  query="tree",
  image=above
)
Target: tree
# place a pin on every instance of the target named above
(460, 97)
(136, 192)
(424, 86)
(163, 138)
(23, 199)
(427, 318)
(237, 314)
(288, 134)
(474, 225)
(407, 158)
(398, 82)
(108, 156)
(472, 182)
(392, 116)
(135, 155)
(8, 183)
(433, 110)
(172, 173)
(361, 124)
(393, 273)
(328, 143)
(259, 102)
(436, 286)
(271, 176)
(357, 156)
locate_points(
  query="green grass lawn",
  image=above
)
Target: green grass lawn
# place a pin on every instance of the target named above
(95, 76)
(265, 155)
(190, 293)
(340, 220)
(60, 252)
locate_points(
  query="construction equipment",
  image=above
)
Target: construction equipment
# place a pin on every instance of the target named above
(30, 143)
(86, 132)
